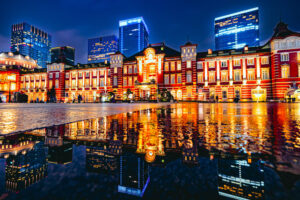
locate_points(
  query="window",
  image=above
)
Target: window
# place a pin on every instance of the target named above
(94, 82)
(199, 77)
(50, 75)
(265, 73)
(67, 75)
(265, 60)
(73, 75)
(237, 75)
(115, 70)
(211, 64)
(189, 77)
(166, 66)
(172, 66)
(73, 83)
(130, 70)
(224, 63)
(237, 62)
(130, 81)
(173, 77)
(200, 65)
(87, 74)
(94, 73)
(67, 84)
(188, 64)
(178, 66)
(125, 70)
(87, 83)
(211, 77)
(135, 69)
(125, 81)
(80, 74)
(224, 76)
(57, 75)
(251, 74)
(50, 84)
(285, 71)
(224, 94)
(284, 57)
(102, 72)
(80, 83)
(178, 78)
(250, 61)
(101, 82)
(166, 78)
(56, 83)
(115, 81)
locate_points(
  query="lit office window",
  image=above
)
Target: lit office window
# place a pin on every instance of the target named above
(265, 73)
(251, 74)
(285, 71)
(237, 75)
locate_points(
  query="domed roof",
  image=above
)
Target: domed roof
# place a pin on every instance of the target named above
(18, 59)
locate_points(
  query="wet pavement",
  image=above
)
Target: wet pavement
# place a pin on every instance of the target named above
(179, 151)
(21, 117)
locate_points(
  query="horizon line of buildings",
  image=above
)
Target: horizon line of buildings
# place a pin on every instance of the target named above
(268, 72)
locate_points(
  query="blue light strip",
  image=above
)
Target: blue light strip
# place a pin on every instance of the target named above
(237, 13)
(136, 20)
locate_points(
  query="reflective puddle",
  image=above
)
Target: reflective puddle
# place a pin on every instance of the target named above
(181, 151)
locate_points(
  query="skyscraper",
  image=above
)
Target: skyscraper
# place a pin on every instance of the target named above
(133, 34)
(63, 54)
(31, 41)
(237, 30)
(100, 48)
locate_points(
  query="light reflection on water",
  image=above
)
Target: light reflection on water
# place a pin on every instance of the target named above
(182, 151)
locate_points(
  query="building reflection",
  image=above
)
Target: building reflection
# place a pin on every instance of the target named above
(134, 175)
(26, 168)
(239, 179)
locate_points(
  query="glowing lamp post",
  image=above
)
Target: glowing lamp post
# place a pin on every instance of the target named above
(9, 78)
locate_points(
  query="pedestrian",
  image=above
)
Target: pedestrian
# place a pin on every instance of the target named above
(217, 98)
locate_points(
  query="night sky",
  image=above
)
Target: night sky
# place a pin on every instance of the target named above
(72, 22)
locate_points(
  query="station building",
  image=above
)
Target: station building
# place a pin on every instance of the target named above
(268, 72)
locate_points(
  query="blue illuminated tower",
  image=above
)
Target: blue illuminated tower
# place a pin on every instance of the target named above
(237, 30)
(134, 36)
(100, 48)
(31, 41)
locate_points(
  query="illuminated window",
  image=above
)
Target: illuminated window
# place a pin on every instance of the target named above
(211, 77)
(224, 63)
(172, 66)
(173, 78)
(130, 81)
(250, 61)
(67, 75)
(102, 72)
(251, 74)
(87, 83)
(224, 76)
(94, 82)
(125, 70)
(94, 73)
(265, 60)
(135, 69)
(211, 64)
(115, 70)
(265, 73)
(125, 81)
(13, 86)
(199, 77)
(237, 75)
(284, 57)
(189, 77)
(178, 78)
(67, 84)
(188, 64)
(166, 79)
(87, 74)
(178, 66)
(57, 75)
(200, 65)
(130, 70)
(101, 82)
(237, 62)
(80, 74)
(50, 75)
(285, 71)
(50, 84)
(166, 66)
(115, 81)
(73, 83)
(80, 83)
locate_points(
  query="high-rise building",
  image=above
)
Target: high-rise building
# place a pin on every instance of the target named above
(133, 34)
(31, 41)
(100, 48)
(64, 54)
(234, 31)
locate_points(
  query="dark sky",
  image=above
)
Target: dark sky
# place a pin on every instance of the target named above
(72, 22)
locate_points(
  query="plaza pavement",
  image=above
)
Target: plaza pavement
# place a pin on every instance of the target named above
(21, 117)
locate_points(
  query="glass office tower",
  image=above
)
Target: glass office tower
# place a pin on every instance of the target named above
(133, 35)
(234, 31)
(100, 49)
(63, 54)
(31, 41)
